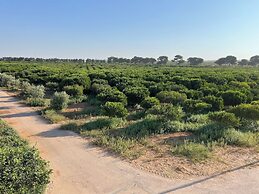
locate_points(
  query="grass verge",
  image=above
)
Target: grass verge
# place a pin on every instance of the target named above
(194, 151)
(53, 116)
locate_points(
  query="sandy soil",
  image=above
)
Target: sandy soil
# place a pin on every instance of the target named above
(158, 158)
(79, 167)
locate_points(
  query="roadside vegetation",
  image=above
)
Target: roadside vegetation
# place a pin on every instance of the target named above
(21, 168)
(125, 107)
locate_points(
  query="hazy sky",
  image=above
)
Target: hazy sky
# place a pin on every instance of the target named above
(125, 28)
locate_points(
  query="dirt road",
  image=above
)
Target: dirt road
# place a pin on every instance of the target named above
(81, 168)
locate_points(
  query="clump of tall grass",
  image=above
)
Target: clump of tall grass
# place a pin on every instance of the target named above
(53, 116)
(196, 152)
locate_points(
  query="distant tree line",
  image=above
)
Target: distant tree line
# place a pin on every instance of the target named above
(178, 59)
(232, 60)
(162, 60)
(32, 59)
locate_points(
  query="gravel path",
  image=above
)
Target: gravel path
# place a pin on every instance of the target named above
(79, 167)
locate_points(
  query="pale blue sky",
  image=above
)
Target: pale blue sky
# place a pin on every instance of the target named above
(125, 28)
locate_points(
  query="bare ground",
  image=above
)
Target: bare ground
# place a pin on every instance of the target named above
(158, 159)
(79, 167)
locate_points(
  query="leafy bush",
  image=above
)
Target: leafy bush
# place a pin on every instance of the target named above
(6, 80)
(256, 102)
(189, 105)
(199, 118)
(167, 111)
(34, 91)
(37, 91)
(209, 90)
(225, 135)
(145, 127)
(112, 95)
(246, 111)
(53, 116)
(216, 103)
(171, 97)
(249, 125)
(9, 81)
(195, 83)
(97, 88)
(14, 84)
(192, 124)
(210, 132)
(77, 99)
(178, 126)
(224, 118)
(115, 109)
(81, 80)
(100, 81)
(71, 126)
(35, 102)
(149, 102)
(25, 88)
(238, 138)
(97, 75)
(22, 170)
(92, 100)
(59, 101)
(102, 123)
(118, 145)
(74, 90)
(136, 95)
(54, 86)
(193, 94)
(238, 85)
(155, 88)
(202, 108)
(194, 151)
(136, 115)
(232, 98)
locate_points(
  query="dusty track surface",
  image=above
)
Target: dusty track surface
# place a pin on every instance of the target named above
(79, 167)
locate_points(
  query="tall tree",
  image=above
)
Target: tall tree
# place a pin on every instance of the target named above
(254, 60)
(195, 60)
(112, 59)
(221, 61)
(243, 62)
(229, 60)
(162, 60)
(178, 59)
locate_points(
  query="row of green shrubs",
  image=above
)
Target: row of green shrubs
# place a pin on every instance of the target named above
(34, 95)
(198, 89)
(211, 98)
(207, 104)
(21, 168)
(196, 95)
(167, 104)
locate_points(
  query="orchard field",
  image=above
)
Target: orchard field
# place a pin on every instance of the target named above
(187, 114)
